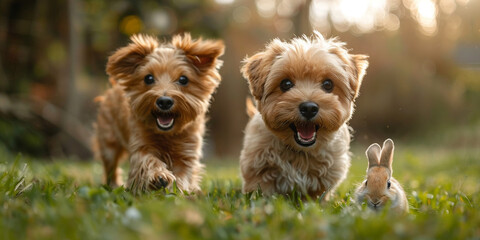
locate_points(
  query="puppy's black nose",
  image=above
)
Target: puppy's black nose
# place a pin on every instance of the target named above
(308, 109)
(164, 103)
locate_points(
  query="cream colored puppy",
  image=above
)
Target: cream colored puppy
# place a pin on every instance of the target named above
(298, 137)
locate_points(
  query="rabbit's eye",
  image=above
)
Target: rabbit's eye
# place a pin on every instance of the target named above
(388, 184)
(366, 181)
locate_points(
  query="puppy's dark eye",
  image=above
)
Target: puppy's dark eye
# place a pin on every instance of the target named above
(183, 80)
(286, 84)
(389, 184)
(366, 181)
(327, 85)
(149, 79)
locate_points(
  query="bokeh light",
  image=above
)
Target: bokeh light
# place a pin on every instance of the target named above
(425, 13)
(448, 6)
(224, 1)
(162, 20)
(266, 8)
(360, 15)
(131, 24)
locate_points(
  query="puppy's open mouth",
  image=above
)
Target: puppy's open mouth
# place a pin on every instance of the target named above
(305, 134)
(164, 121)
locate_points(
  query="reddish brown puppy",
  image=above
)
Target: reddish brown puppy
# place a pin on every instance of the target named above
(155, 111)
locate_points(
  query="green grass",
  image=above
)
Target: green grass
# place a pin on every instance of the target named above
(65, 200)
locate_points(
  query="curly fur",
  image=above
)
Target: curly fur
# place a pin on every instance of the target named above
(126, 123)
(271, 159)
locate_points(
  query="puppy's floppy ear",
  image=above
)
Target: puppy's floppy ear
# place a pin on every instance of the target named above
(125, 60)
(355, 65)
(360, 64)
(257, 67)
(255, 74)
(202, 54)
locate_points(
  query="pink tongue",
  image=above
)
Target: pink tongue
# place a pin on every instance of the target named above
(306, 131)
(164, 120)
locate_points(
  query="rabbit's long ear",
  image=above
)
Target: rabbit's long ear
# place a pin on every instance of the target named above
(373, 154)
(387, 154)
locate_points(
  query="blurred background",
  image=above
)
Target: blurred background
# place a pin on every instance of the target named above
(423, 80)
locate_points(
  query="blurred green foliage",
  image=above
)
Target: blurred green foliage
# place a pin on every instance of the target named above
(21, 137)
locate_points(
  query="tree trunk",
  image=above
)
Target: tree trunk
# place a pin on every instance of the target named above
(74, 58)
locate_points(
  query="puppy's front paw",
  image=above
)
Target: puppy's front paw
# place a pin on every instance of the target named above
(162, 180)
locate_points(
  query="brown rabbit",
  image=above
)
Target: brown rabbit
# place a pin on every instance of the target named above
(380, 187)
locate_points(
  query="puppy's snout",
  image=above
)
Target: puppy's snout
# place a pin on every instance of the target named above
(308, 109)
(164, 103)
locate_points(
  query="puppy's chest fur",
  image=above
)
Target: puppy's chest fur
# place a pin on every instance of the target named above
(270, 163)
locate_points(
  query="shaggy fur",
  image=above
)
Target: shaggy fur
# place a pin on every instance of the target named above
(272, 159)
(129, 116)
(376, 189)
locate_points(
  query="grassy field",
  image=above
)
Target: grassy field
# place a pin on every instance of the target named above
(65, 200)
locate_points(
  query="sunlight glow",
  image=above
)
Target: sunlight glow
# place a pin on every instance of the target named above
(425, 12)
(361, 15)
(224, 1)
(448, 6)
(463, 2)
(392, 23)
(266, 8)
(318, 14)
(288, 8)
